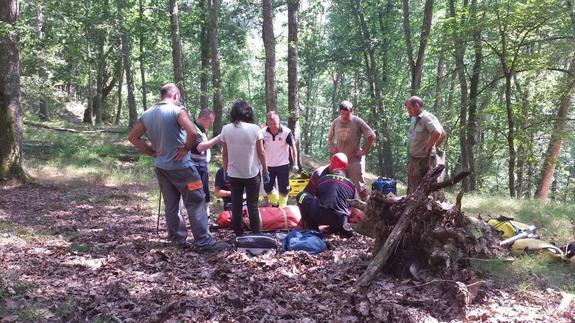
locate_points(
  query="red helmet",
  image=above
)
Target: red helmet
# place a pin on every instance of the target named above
(338, 161)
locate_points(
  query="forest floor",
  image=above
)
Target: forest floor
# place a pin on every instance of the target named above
(78, 249)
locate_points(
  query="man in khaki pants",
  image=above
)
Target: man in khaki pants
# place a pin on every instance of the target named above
(425, 135)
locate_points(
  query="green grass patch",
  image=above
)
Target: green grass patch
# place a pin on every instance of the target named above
(15, 232)
(103, 158)
(555, 222)
(530, 272)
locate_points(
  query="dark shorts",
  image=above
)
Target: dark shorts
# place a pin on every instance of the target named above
(282, 174)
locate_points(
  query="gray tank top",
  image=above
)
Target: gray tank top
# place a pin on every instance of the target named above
(161, 122)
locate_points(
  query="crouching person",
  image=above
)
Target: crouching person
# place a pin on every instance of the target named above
(324, 200)
(172, 134)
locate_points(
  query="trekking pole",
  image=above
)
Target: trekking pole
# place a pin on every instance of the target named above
(158, 220)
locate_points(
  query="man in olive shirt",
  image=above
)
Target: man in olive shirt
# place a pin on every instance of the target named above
(347, 131)
(425, 135)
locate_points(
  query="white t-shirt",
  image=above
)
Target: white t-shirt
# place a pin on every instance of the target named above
(241, 141)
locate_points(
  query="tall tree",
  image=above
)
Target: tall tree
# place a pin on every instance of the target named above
(11, 127)
(205, 53)
(142, 55)
(126, 57)
(177, 59)
(216, 74)
(416, 65)
(375, 89)
(293, 94)
(270, 50)
(558, 134)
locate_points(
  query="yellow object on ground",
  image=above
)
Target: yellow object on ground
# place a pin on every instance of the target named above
(508, 228)
(537, 246)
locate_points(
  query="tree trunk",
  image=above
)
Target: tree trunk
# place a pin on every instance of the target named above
(460, 46)
(472, 123)
(374, 79)
(216, 73)
(557, 136)
(416, 65)
(293, 91)
(88, 113)
(125, 42)
(177, 59)
(99, 101)
(120, 101)
(44, 111)
(270, 50)
(11, 126)
(142, 55)
(205, 55)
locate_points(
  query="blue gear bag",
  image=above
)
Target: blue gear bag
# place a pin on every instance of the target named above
(309, 241)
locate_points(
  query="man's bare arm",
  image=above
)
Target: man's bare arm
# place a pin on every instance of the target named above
(135, 137)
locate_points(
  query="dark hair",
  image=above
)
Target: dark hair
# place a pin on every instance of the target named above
(241, 111)
(204, 113)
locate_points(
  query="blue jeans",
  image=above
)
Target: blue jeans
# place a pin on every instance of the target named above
(251, 186)
(187, 185)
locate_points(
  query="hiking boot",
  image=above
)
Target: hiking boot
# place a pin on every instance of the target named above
(214, 247)
(183, 245)
(345, 231)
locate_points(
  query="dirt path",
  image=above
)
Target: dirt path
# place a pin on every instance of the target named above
(90, 252)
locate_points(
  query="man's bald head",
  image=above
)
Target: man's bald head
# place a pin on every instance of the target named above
(414, 105)
(169, 90)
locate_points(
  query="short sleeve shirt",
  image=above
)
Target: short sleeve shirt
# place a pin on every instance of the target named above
(419, 131)
(277, 146)
(241, 140)
(347, 135)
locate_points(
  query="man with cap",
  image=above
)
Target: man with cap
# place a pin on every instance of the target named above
(324, 201)
(344, 136)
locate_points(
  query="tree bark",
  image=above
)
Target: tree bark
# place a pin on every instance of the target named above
(372, 71)
(11, 127)
(177, 59)
(416, 65)
(216, 73)
(460, 45)
(270, 51)
(99, 101)
(142, 56)
(120, 100)
(472, 122)
(88, 113)
(293, 90)
(557, 136)
(125, 43)
(205, 54)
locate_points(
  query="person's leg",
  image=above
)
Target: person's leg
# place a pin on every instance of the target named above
(355, 172)
(237, 191)
(205, 176)
(175, 223)
(418, 168)
(190, 186)
(307, 206)
(271, 199)
(283, 184)
(252, 196)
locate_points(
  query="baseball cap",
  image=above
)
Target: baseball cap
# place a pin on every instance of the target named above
(338, 161)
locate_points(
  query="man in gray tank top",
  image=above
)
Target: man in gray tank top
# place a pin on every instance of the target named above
(172, 134)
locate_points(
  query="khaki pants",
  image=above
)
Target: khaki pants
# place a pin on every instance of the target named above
(418, 167)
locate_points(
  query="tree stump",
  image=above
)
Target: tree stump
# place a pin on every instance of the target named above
(417, 234)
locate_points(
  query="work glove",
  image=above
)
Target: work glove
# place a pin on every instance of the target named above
(265, 177)
(295, 168)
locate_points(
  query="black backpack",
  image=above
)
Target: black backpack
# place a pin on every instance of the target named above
(255, 245)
